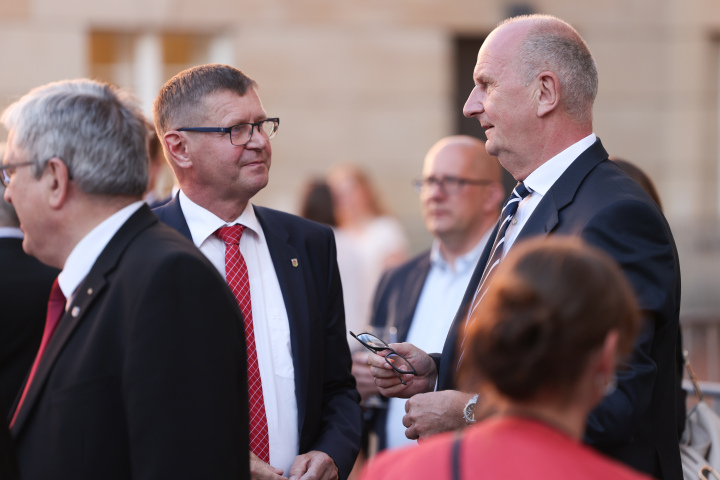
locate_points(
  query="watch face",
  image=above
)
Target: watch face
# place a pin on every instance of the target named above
(469, 410)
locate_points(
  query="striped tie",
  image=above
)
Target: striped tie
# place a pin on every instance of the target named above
(496, 254)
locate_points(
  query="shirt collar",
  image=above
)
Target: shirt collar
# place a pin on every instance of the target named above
(11, 232)
(547, 174)
(463, 262)
(87, 250)
(203, 223)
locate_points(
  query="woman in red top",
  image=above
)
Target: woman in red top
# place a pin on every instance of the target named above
(544, 343)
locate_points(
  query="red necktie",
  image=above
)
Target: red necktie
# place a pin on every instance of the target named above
(236, 274)
(56, 308)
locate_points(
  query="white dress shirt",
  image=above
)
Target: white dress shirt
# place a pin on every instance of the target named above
(437, 305)
(86, 252)
(540, 182)
(270, 322)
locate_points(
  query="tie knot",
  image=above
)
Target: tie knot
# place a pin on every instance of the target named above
(56, 295)
(231, 234)
(521, 190)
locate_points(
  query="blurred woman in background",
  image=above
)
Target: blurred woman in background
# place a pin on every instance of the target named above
(378, 238)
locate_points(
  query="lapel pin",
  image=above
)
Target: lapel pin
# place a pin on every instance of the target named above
(294, 262)
(75, 311)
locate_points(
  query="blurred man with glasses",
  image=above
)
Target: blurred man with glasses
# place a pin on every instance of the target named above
(135, 377)
(304, 412)
(460, 195)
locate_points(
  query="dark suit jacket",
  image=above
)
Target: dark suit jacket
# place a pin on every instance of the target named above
(396, 298)
(596, 201)
(329, 414)
(145, 376)
(24, 291)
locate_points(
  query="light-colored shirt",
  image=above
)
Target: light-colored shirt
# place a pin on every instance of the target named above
(270, 322)
(437, 305)
(84, 255)
(540, 181)
(11, 232)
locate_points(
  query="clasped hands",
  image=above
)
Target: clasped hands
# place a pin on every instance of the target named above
(312, 465)
(427, 412)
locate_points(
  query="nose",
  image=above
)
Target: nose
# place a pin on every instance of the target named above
(434, 191)
(473, 105)
(258, 139)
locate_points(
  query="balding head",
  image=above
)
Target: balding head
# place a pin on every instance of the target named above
(461, 193)
(480, 162)
(551, 44)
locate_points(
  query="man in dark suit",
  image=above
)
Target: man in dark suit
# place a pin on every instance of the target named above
(24, 289)
(305, 417)
(460, 194)
(538, 119)
(141, 369)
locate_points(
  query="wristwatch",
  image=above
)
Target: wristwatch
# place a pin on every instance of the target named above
(469, 410)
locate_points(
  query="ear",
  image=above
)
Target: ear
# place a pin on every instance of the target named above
(608, 358)
(177, 147)
(548, 93)
(57, 180)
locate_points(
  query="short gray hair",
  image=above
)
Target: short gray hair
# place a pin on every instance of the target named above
(96, 129)
(554, 45)
(183, 94)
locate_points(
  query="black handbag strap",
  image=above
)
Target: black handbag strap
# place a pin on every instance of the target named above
(455, 456)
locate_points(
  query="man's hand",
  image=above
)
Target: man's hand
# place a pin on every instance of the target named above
(313, 465)
(364, 379)
(260, 470)
(436, 412)
(389, 384)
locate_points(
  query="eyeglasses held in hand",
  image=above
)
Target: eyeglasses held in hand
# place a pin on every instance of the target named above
(241, 133)
(399, 364)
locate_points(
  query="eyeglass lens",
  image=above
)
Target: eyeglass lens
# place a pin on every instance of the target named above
(241, 134)
(372, 341)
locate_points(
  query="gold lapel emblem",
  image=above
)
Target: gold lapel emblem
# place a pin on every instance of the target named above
(294, 262)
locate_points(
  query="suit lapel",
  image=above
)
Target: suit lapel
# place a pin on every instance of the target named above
(90, 289)
(171, 214)
(546, 217)
(410, 295)
(446, 374)
(294, 291)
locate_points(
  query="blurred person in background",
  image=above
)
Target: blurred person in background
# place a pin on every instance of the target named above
(460, 195)
(317, 204)
(379, 238)
(535, 87)
(141, 370)
(543, 348)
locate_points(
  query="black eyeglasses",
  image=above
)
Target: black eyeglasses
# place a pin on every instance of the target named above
(241, 133)
(9, 169)
(449, 185)
(398, 363)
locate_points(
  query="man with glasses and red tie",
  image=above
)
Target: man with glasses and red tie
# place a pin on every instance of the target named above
(141, 370)
(304, 414)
